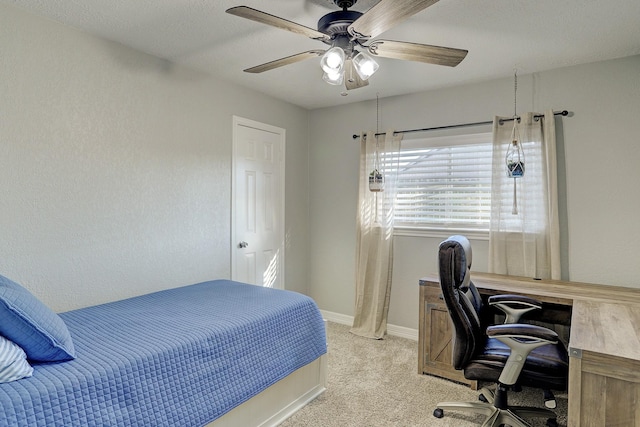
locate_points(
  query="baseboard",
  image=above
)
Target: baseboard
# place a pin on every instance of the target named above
(396, 331)
(403, 332)
(342, 319)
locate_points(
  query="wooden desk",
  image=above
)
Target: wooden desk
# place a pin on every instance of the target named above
(604, 348)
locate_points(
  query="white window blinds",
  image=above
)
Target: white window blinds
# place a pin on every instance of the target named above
(445, 183)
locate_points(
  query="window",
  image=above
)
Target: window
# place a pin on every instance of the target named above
(444, 183)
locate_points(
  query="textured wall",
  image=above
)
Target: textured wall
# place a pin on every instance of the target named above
(115, 167)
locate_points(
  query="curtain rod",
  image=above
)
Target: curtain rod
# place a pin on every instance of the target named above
(555, 113)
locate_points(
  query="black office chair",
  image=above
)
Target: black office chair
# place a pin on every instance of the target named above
(509, 354)
(513, 307)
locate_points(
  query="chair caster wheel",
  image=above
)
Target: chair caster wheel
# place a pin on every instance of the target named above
(481, 398)
(549, 399)
(516, 388)
(551, 422)
(438, 413)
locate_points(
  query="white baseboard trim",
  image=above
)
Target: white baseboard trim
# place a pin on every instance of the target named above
(403, 332)
(397, 331)
(342, 319)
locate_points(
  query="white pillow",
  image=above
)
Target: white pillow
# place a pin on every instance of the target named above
(13, 362)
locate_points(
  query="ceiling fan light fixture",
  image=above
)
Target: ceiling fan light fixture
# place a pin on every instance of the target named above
(365, 65)
(333, 78)
(332, 61)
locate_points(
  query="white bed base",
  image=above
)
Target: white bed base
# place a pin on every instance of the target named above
(280, 401)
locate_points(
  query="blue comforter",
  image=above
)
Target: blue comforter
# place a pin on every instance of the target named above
(180, 357)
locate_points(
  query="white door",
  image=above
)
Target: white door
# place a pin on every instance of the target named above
(257, 217)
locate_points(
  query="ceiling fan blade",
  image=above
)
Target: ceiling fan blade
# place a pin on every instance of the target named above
(384, 15)
(352, 79)
(417, 52)
(275, 21)
(284, 61)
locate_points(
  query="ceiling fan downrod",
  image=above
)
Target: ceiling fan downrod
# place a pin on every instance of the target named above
(344, 4)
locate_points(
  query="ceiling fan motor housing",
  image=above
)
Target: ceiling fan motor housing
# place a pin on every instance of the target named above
(336, 23)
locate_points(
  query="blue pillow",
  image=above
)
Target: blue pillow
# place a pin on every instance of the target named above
(33, 326)
(13, 362)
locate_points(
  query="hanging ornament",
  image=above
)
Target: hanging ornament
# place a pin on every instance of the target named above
(515, 154)
(376, 178)
(376, 181)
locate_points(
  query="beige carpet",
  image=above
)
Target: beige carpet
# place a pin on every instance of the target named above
(375, 384)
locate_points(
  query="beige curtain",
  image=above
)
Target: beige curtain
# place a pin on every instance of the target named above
(374, 246)
(527, 243)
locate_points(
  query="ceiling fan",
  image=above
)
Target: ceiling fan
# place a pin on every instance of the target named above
(350, 35)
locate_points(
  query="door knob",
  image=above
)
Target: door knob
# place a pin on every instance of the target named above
(242, 245)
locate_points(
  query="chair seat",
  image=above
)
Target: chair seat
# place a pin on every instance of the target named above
(545, 367)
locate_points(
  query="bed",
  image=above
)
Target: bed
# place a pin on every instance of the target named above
(218, 353)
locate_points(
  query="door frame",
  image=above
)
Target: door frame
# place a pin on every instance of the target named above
(241, 121)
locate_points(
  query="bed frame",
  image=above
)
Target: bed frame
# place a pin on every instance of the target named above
(280, 401)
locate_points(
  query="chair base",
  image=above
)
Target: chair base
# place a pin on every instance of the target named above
(512, 416)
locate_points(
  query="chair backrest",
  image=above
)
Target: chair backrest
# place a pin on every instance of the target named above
(461, 297)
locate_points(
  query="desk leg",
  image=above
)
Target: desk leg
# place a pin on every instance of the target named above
(575, 389)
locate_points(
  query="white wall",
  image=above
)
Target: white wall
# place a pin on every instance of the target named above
(115, 167)
(599, 179)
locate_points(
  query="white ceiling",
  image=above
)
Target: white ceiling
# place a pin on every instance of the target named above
(500, 35)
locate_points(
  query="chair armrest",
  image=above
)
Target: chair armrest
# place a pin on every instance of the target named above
(514, 306)
(522, 331)
(522, 340)
(515, 298)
